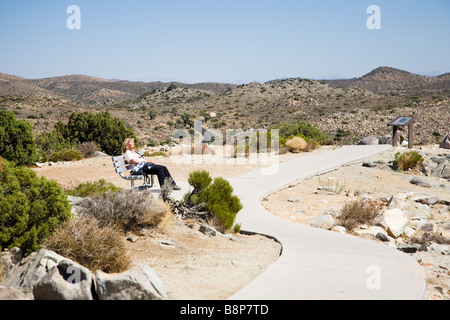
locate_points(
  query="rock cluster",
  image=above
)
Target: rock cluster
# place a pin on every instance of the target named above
(45, 275)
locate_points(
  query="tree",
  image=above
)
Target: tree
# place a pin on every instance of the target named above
(186, 119)
(106, 131)
(16, 139)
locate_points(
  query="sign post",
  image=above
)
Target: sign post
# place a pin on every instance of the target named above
(399, 122)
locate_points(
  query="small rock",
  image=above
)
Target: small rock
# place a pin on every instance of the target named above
(339, 229)
(382, 236)
(430, 200)
(132, 238)
(324, 221)
(444, 249)
(409, 247)
(298, 199)
(369, 164)
(421, 182)
(208, 230)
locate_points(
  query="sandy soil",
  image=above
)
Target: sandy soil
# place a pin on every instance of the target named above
(196, 266)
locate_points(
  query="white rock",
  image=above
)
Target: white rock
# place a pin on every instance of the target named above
(394, 220)
(324, 221)
(398, 201)
(339, 229)
(409, 232)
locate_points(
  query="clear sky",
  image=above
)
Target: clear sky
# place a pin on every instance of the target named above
(222, 41)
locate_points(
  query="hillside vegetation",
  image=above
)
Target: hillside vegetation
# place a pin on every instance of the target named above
(346, 110)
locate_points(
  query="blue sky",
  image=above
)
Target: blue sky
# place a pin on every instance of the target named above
(222, 41)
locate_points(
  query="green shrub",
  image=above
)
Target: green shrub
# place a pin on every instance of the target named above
(199, 179)
(30, 207)
(407, 160)
(17, 143)
(220, 201)
(66, 155)
(106, 131)
(301, 129)
(217, 198)
(52, 141)
(88, 189)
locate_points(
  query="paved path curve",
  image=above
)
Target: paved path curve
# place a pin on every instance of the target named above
(319, 264)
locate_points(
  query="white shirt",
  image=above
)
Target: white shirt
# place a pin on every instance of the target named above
(132, 155)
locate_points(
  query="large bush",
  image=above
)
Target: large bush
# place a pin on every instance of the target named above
(16, 139)
(106, 131)
(30, 207)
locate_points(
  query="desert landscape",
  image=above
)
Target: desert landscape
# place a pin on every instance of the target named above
(195, 265)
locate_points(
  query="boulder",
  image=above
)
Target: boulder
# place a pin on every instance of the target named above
(66, 281)
(139, 283)
(421, 182)
(30, 270)
(445, 144)
(368, 141)
(438, 171)
(324, 221)
(398, 201)
(13, 294)
(385, 140)
(394, 221)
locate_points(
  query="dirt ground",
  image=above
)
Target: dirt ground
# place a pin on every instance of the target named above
(196, 266)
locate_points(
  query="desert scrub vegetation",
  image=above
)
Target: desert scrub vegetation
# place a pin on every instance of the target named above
(81, 239)
(30, 207)
(129, 210)
(215, 196)
(17, 143)
(297, 144)
(358, 212)
(302, 129)
(91, 188)
(331, 185)
(407, 160)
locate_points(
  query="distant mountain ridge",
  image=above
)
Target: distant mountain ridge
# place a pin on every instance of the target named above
(388, 80)
(90, 89)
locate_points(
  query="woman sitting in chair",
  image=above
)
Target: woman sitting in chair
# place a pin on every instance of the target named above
(149, 167)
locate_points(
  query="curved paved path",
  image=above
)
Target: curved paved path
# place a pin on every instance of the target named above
(319, 264)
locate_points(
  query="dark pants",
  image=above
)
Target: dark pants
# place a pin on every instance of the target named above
(161, 172)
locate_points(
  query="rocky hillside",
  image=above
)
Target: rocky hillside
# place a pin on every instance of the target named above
(394, 81)
(347, 110)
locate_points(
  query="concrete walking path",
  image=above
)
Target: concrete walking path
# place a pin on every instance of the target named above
(315, 263)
